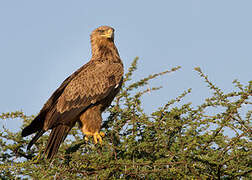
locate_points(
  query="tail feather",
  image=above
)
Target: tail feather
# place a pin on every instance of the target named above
(57, 136)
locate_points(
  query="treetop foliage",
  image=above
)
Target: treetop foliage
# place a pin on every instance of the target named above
(175, 141)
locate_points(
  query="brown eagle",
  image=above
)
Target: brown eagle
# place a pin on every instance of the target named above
(82, 97)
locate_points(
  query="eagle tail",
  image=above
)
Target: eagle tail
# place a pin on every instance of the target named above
(36, 125)
(57, 136)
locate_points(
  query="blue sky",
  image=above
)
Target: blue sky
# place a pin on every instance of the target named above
(43, 42)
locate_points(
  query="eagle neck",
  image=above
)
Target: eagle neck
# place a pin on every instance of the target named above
(105, 51)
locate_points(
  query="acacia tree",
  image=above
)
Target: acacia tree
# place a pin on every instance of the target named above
(175, 141)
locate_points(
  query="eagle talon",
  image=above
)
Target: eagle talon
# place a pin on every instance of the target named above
(98, 136)
(86, 138)
(102, 134)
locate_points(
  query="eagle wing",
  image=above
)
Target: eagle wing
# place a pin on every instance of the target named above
(38, 123)
(92, 84)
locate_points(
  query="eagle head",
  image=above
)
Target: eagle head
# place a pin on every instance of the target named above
(103, 33)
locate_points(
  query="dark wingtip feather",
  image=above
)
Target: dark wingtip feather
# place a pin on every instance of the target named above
(35, 138)
(27, 131)
(24, 132)
(36, 125)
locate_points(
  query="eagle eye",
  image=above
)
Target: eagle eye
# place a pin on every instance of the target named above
(101, 31)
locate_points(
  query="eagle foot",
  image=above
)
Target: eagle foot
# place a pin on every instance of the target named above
(97, 136)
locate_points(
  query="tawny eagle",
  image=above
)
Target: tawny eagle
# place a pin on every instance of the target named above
(82, 97)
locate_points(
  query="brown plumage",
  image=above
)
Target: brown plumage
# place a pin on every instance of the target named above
(83, 96)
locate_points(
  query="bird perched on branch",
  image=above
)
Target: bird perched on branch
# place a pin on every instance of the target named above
(82, 97)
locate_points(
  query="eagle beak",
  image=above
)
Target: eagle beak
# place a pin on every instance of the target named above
(108, 34)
